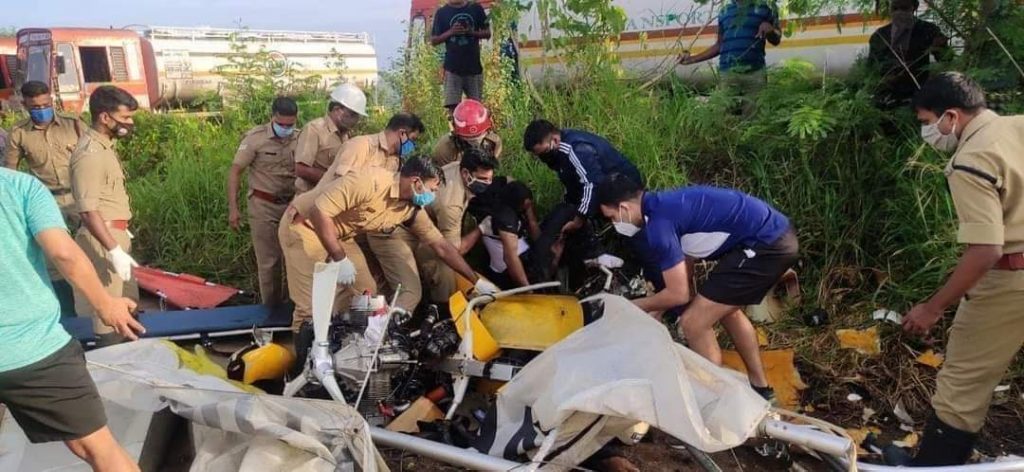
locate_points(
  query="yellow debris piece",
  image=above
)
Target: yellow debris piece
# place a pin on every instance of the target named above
(762, 337)
(910, 440)
(532, 322)
(421, 410)
(782, 374)
(930, 359)
(863, 341)
(860, 434)
(201, 364)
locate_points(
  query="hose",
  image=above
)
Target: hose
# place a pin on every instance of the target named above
(849, 460)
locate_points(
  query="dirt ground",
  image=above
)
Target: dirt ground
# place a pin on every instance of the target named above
(657, 452)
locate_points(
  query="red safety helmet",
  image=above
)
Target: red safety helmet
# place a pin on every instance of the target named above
(471, 118)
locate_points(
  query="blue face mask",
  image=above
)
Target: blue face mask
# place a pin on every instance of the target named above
(422, 199)
(282, 131)
(41, 116)
(407, 148)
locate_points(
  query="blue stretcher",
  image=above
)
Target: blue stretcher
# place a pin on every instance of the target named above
(196, 324)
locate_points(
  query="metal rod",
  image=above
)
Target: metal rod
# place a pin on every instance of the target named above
(467, 458)
(808, 437)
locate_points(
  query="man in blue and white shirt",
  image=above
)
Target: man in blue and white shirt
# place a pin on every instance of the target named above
(743, 28)
(753, 243)
(582, 161)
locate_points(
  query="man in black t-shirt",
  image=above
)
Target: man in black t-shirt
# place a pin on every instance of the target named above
(460, 25)
(902, 51)
(506, 223)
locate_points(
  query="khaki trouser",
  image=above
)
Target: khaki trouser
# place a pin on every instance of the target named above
(110, 280)
(302, 250)
(395, 253)
(987, 334)
(264, 219)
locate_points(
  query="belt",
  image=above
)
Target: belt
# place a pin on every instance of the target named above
(1013, 261)
(269, 197)
(60, 192)
(118, 224)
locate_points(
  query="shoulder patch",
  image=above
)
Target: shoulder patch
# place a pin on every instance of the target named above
(977, 173)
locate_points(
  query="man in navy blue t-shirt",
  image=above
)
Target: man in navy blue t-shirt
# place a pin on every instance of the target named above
(753, 243)
(460, 25)
(743, 28)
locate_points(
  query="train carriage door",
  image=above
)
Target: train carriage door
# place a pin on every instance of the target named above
(69, 85)
(37, 63)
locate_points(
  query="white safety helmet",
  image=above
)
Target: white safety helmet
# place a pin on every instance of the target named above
(350, 96)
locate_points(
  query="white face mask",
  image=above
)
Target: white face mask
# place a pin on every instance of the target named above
(625, 228)
(934, 137)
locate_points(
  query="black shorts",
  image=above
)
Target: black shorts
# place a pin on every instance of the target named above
(745, 275)
(54, 399)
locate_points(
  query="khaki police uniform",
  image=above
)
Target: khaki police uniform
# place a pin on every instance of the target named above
(356, 154)
(98, 185)
(446, 151)
(986, 179)
(318, 144)
(405, 259)
(359, 202)
(270, 161)
(48, 154)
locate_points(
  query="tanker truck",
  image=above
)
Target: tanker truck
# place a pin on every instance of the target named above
(658, 31)
(170, 66)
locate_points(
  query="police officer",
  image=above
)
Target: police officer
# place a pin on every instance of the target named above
(268, 151)
(472, 128)
(376, 150)
(98, 187)
(320, 225)
(986, 179)
(45, 141)
(321, 138)
(400, 252)
(381, 150)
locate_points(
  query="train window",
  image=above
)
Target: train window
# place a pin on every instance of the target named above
(67, 80)
(95, 67)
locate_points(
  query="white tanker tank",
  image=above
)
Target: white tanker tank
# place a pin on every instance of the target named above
(188, 59)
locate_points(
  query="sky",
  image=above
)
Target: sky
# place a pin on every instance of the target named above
(385, 20)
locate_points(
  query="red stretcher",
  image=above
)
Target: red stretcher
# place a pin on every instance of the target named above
(182, 291)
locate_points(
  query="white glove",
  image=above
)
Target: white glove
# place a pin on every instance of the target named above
(122, 263)
(346, 271)
(607, 261)
(485, 287)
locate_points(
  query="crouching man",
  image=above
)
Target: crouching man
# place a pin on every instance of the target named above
(43, 378)
(753, 243)
(321, 224)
